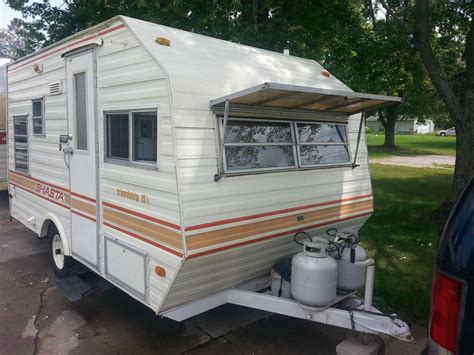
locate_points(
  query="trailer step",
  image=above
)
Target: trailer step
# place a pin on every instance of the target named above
(75, 287)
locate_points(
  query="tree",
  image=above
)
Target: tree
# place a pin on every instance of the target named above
(443, 34)
(12, 42)
(376, 59)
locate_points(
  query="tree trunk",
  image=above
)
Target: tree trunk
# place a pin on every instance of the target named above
(460, 107)
(464, 168)
(390, 121)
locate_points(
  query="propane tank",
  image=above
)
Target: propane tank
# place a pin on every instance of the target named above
(351, 276)
(313, 276)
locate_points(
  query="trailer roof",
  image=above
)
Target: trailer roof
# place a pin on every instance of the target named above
(275, 95)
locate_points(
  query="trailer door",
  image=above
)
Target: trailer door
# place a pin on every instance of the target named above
(82, 157)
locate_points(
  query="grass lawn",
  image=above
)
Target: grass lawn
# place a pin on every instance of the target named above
(402, 236)
(411, 145)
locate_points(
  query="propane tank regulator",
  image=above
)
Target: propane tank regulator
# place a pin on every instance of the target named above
(350, 257)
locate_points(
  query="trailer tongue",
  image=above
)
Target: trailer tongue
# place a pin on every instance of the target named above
(313, 281)
(346, 311)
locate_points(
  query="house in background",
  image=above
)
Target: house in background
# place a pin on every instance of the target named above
(405, 126)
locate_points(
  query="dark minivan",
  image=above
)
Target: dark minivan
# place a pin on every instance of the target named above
(452, 298)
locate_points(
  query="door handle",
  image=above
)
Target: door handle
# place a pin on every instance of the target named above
(68, 150)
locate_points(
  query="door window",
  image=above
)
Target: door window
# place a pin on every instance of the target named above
(80, 110)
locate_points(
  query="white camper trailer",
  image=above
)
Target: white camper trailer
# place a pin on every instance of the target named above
(179, 166)
(3, 130)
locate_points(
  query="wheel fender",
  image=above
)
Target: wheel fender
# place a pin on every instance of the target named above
(53, 218)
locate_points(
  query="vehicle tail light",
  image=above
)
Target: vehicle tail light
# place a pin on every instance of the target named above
(445, 312)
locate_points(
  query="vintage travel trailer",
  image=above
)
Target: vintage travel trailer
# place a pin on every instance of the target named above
(3, 129)
(179, 167)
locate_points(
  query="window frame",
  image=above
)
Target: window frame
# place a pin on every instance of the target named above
(27, 135)
(292, 144)
(33, 117)
(130, 161)
(295, 144)
(346, 143)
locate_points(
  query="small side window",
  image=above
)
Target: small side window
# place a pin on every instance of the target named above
(20, 135)
(38, 117)
(132, 137)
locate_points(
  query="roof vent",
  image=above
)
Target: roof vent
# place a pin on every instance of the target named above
(286, 51)
(56, 88)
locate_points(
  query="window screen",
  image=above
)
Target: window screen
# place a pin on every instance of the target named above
(118, 136)
(258, 145)
(20, 133)
(38, 117)
(81, 110)
(322, 144)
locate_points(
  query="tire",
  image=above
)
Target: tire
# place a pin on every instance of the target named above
(442, 134)
(63, 265)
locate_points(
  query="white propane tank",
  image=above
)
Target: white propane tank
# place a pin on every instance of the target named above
(351, 277)
(313, 276)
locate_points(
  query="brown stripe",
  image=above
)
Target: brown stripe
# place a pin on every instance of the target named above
(23, 182)
(83, 206)
(206, 239)
(30, 185)
(143, 227)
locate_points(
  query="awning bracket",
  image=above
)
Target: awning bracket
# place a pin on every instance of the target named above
(220, 158)
(361, 124)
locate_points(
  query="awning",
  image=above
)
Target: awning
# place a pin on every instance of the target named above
(293, 97)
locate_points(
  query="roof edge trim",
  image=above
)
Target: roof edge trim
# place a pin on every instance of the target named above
(94, 28)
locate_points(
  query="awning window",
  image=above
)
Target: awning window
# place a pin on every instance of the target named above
(296, 104)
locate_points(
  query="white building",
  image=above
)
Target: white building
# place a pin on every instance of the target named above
(408, 126)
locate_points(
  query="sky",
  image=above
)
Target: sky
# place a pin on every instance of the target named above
(7, 14)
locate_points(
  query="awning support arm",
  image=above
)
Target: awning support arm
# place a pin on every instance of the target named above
(361, 124)
(220, 158)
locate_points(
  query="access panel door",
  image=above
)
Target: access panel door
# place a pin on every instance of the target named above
(82, 123)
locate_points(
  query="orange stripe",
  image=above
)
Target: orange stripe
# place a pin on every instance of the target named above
(228, 234)
(143, 227)
(236, 245)
(83, 216)
(83, 197)
(66, 46)
(141, 215)
(83, 207)
(144, 239)
(266, 214)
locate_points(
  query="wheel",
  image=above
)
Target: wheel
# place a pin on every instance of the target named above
(63, 265)
(442, 134)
